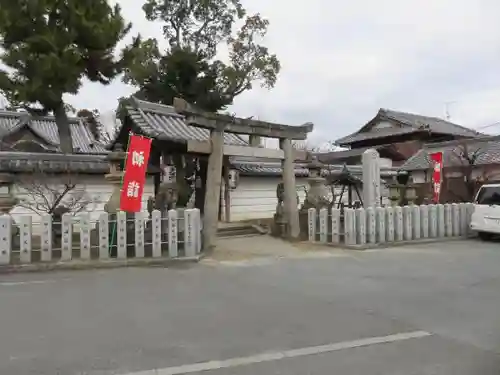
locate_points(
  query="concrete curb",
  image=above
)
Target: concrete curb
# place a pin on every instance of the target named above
(394, 244)
(98, 264)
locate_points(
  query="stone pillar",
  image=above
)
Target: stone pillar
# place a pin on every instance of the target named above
(448, 220)
(371, 178)
(463, 219)
(407, 223)
(371, 225)
(416, 222)
(115, 177)
(390, 224)
(470, 211)
(212, 193)
(290, 198)
(455, 217)
(323, 225)
(380, 217)
(433, 221)
(335, 225)
(441, 228)
(349, 226)
(424, 221)
(399, 227)
(361, 226)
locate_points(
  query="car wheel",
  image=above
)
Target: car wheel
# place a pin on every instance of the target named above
(485, 236)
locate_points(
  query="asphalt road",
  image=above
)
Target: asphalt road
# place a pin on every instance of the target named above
(432, 309)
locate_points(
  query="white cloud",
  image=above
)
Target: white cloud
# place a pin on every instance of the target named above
(343, 60)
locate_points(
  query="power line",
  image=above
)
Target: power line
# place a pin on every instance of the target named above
(488, 126)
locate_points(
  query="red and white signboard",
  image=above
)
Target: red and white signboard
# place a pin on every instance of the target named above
(135, 173)
(437, 174)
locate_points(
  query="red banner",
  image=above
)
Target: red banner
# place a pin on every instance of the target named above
(135, 173)
(437, 174)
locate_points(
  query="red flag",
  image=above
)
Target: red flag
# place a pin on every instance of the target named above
(135, 173)
(437, 173)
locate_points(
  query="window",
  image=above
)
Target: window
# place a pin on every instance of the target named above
(488, 195)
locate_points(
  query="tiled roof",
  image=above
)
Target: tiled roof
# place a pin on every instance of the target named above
(19, 162)
(301, 170)
(46, 128)
(266, 169)
(26, 162)
(326, 157)
(162, 122)
(410, 123)
(486, 149)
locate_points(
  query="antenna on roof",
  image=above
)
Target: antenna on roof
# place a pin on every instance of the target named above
(447, 109)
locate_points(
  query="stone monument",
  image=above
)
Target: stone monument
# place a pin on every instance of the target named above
(371, 178)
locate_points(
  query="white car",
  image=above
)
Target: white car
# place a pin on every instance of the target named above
(486, 217)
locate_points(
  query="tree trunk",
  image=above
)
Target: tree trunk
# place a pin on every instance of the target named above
(66, 142)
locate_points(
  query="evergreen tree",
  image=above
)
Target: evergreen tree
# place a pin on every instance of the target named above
(49, 46)
(195, 31)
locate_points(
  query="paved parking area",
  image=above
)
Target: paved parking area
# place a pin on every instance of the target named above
(430, 309)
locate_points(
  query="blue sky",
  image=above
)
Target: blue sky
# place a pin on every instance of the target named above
(342, 61)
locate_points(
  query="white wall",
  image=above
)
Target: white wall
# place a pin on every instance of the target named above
(419, 177)
(97, 192)
(385, 163)
(255, 197)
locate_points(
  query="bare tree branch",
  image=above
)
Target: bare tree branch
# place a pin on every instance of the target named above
(44, 193)
(466, 157)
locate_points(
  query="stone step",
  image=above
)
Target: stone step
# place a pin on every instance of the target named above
(232, 230)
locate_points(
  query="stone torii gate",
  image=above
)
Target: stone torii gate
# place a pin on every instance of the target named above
(218, 124)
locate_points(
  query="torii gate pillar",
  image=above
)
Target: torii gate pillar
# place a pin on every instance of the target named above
(213, 187)
(290, 193)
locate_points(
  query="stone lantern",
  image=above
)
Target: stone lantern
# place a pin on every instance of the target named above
(317, 195)
(7, 200)
(115, 177)
(394, 194)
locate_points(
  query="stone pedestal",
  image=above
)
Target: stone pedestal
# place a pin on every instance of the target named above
(317, 195)
(280, 222)
(115, 177)
(394, 194)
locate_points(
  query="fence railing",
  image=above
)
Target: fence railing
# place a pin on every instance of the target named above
(121, 236)
(389, 224)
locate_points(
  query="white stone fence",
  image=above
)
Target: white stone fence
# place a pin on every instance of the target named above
(372, 226)
(114, 236)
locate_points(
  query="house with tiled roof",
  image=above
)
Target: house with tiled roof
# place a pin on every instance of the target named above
(396, 136)
(478, 156)
(30, 154)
